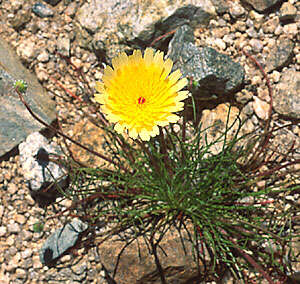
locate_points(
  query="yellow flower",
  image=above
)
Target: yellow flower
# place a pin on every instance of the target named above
(139, 94)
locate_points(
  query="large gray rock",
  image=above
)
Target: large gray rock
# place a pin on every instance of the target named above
(280, 55)
(44, 177)
(15, 121)
(213, 73)
(61, 240)
(110, 26)
(286, 97)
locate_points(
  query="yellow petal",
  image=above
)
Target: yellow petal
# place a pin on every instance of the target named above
(116, 63)
(148, 56)
(119, 128)
(108, 73)
(179, 85)
(144, 134)
(162, 123)
(167, 68)
(173, 118)
(155, 131)
(99, 87)
(173, 78)
(133, 133)
(136, 56)
(100, 98)
(158, 58)
(182, 95)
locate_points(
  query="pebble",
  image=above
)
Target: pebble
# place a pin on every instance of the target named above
(42, 10)
(278, 30)
(26, 253)
(41, 73)
(13, 228)
(10, 240)
(1, 210)
(252, 33)
(275, 76)
(36, 262)
(248, 109)
(256, 80)
(243, 96)
(270, 25)
(20, 219)
(21, 273)
(290, 29)
(220, 43)
(287, 12)
(261, 108)
(236, 10)
(3, 231)
(12, 188)
(63, 45)
(27, 50)
(256, 45)
(298, 58)
(71, 10)
(43, 56)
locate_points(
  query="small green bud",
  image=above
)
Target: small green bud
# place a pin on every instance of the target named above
(38, 227)
(195, 84)
(21, 86)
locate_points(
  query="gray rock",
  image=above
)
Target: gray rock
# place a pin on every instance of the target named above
(214, 73)
(262, 5)
(15, 121)
(286, 99)
(45, 178)
(280, 55)
(222, 6)
(52, 2)
(42, 10)
(113, 25)
(61, 240)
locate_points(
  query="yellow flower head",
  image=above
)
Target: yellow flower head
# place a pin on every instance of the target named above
(139, 94)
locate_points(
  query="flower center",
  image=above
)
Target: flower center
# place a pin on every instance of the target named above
(141, 100)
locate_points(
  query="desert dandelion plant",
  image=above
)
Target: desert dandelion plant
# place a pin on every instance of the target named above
(140, 93)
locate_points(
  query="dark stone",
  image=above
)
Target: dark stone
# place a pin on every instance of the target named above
(52, 2)
(263, 5)
(221, 6)
(212, 73)
(42, 10)
(15, 121)
(61, 240)
(280, 55)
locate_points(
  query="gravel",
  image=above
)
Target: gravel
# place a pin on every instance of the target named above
(36, 39)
